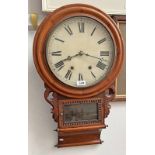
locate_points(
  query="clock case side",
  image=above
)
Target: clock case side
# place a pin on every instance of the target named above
(40, 45)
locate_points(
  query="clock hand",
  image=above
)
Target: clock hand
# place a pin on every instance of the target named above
(93, 56)
(70, 57)
(90, 55)
(79, 54)
(101, 59)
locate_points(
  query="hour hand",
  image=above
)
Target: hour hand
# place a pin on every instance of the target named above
(67, 59)
(70, 57)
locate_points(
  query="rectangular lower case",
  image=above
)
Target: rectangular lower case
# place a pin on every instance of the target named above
(76, 138)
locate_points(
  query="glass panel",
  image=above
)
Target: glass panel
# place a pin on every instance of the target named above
(78, 112)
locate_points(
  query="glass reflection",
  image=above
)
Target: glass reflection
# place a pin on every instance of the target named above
(80, 112)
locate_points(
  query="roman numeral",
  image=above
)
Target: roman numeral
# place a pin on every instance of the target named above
(57, 53)
(101, 41)
(59, 65)
(93, 74)
(81, 27)
(104, 53)
(59, 40)
(93, 31)
(80, 77)
(68, 74)
(101, 65)
(68, 29)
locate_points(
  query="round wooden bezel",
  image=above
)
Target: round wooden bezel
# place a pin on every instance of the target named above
(39, 50)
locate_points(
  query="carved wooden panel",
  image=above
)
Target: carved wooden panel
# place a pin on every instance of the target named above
(80, 112)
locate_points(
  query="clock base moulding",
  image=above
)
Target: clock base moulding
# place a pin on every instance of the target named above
(82, 137)
(75, 133)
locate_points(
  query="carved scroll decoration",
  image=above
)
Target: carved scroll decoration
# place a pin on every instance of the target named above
(51, 98)
(108, 96)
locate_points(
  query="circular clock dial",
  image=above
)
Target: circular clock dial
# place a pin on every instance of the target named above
(80, 51)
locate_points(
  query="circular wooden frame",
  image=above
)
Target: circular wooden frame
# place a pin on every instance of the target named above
(39, 48)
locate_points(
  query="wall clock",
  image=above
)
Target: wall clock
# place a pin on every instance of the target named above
(78, 52)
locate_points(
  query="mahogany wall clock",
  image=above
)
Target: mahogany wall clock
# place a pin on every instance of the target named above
(78, 52)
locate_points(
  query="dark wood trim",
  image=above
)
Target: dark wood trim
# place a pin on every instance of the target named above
(118, 18)
(86, 128)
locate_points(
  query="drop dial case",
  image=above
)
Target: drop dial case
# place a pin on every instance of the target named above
(78, 53)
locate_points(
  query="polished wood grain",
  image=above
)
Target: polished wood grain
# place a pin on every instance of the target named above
(79, 138)
(40, 45)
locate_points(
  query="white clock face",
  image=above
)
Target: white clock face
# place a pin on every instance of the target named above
(80, 51)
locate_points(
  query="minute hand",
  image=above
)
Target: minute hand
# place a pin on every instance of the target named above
(93, 56)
